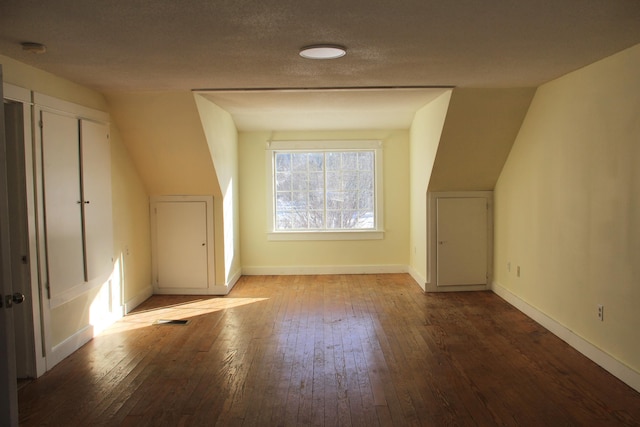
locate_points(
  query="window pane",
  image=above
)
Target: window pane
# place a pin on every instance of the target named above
(316, 162)
(365, 161)
(334, 219)
(365, 200)
(365, 181)
(283, 220)
(350, 200)
(299, 220)
(283, 162)
(334, 200)
(299, 200)
(283, 201)
(333, 161)
(365, 219)
(349, 219)
(300, 181)
(334, 181)
(299, 161)
(316, 219)
(350, 180)
(349, 161)
(316, 181)
(316, 200)
(283, 181)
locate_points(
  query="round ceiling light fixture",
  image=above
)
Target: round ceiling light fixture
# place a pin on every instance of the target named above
(323, 51)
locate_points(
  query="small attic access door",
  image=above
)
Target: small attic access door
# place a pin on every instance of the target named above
(182, 244)
(462, 240)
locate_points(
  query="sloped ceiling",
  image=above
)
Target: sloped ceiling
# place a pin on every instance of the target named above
(347, 109)
(479, 130)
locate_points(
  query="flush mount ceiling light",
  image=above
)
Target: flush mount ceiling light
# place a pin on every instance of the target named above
(34, 47)
(323, 51)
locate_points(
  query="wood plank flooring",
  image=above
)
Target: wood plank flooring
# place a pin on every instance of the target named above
(349, 350)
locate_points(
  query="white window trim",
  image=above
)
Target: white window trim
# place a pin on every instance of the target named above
(376, 233)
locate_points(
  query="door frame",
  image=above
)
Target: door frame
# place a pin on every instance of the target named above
(36, 361)
(24, 96)
(432, 240)
(211, 277)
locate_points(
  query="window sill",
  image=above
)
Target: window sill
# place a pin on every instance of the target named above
(326, 235)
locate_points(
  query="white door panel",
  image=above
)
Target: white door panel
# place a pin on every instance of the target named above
(462, 232)
(181, 245)
(61, 169)
(96, 182)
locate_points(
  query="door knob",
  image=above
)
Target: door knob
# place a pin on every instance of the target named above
(16, 298)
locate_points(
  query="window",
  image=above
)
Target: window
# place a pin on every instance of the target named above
(325, 189)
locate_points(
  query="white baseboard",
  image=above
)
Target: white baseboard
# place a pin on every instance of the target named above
(422, 282)
(600, 357)
(68, 346)
(233, 279)
(138, 299)
(322, 270)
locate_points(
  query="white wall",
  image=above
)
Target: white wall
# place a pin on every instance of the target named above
(261, 256)
(567, 206)
(222, 139)
(424, 139)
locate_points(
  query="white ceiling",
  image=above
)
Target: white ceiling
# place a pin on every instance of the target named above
(168, 45)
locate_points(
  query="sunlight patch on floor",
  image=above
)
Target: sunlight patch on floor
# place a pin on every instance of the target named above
(187, 310)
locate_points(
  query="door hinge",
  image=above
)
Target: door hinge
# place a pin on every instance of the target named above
(41, 124)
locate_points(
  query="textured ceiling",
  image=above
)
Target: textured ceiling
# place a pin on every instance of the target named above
(195, 44)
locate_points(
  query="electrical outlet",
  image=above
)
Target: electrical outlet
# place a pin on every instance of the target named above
(518, 271)
(601, 312)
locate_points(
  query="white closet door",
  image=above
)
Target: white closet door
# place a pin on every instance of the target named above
(96, 179)
(62, 200)
(462, 232)
(181, 245)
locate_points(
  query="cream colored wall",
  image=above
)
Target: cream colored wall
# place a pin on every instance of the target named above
(222, 139)
(477, 136)
(164, 136)
(259, 253)
(424, 139)
(131, 221)
(567, 205)
(37, 80)
(131, 238)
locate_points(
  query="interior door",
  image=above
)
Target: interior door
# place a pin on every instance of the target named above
(8, 386)
(462, 232)
(181, 247)
(63, 202)
(19, 236)
(96, 189)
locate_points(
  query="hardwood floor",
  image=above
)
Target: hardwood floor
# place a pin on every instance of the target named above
(361, 350)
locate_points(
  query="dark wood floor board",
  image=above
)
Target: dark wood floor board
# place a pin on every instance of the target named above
(351, 350)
